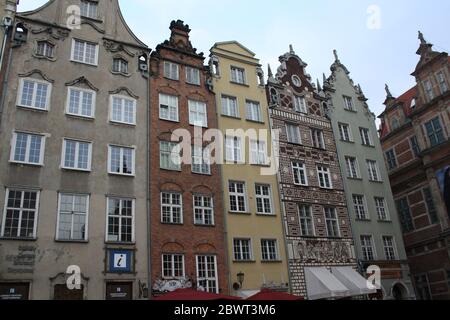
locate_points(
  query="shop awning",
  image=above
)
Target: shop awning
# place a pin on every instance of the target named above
(322, 284)
(269, 295)
(352, 280)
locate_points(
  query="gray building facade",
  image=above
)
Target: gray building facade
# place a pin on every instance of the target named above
(375, 224)
(73, 160)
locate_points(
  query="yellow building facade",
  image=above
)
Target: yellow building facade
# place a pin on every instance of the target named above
(255, 239)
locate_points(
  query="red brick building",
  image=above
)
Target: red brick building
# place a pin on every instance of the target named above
(415, 134)
(187, 227)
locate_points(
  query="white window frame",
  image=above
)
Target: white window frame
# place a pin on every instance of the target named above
(265, 249)
(241, 255)
(394, 247)
(348, 103)
(88, 5)
(288, 134)
(35, 83)
(198, 109)
(365, 247)
(356, 203)
(440, 77)
(86, 232)
(234, 149)
(72, 52)
(236, 195)
(171, 206)
(237, 75)
(122, 65)
(429, 90)
(325, 173)
(193, 74)
(253, 111)
(133, 171)
(228, 109)
(309, 219)
(77, 149)
(258, 152)
(300, 104)
(317, 138)
(203, 208)
(169, 106)
(334, 219)
(48, 49)
(172, 271)
(296, 170)
(344, 134)
(207, 271)
(27, 148)
(372, 166)
(80, 102)
(21, 209)
(174, 152)
(133, 220)
(366, 141)
(168, 71)
(349, 163)
(384, 207)
(264, 197)
(203, 160)
(123, 100)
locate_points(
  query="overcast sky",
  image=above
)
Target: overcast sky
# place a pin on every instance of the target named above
(376, 40)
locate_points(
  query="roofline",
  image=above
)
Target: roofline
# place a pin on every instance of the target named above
(234, 42)
(24, 13)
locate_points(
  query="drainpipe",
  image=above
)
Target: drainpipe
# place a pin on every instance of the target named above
(149, 221)
(6, 73)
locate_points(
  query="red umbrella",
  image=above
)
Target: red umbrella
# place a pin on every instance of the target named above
(266, 295)
(193, 295)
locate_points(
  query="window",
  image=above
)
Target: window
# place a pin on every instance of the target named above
(254, 111)
(269, 250)
(324, 177)
(203, 210)
(380, 205)
(365, 137)
(332, 222)
(171, 70)
(432, 211)
(442, 83)
(345, 132)
(293, 133)
(230, 107)
(300, 104)
(415, 146)
(171, 208)
(168, 107)
(352, 167)
(21, 214)
(258, 155)
(434, 132)
(374, 174)
(359, 204)
(405, 215)
(389, 248)
(76, 155)
(84, 52)
(169, 156)
(89, 9)
(120, 227)
(300, 174)
(423, 287)
(391, 159)
(173, 266)
(120, 65)
(348, 103)
(238, 198)
(34, 94)
(197, 114)
(263, 199)
(121, 160)
(123, 110)
(192, 76)
(237, 75)
(317, 139)
(28, 148)
(428, 89)
(207, 274)
(233, 149)
(242, 250)
(73, 217)
(306, 220)
(45, 49)
(201, 162)
(81, 102)
(367, 248)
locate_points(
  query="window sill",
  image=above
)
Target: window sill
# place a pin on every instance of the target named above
(72, 241)
(355, 179)
(240, 84)
(18, 239)
(271, 261)
(349, 110)
(98, 20)
(32, 109)
(244, 261)
(36, 165)
(384, 221)
(51, 59)
(231, 117)
(123, 74)
(347, 141)
(197, 126)
(79, 117)
(202, 174)
(363, 220)
(118, 243)
(204, 225)
(262, 165)
(121, 175)
(266, 215)
(76, 170)
(194, 84)
(295, 144)
(125, 124)
(169, 120)
(368, 146)
(240, 213)
(172, 224)
(171, 170)
(376, 181)
(255, 121)
(85, 63)
(178, 80)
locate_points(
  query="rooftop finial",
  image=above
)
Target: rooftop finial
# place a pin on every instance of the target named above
(388, 92)
(319, 87)
(422, 38)
(291, 49)
(336, 57)
(269, 71)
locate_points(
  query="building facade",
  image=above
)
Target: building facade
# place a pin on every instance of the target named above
(375, 224)
(73, 175)
(187, 225)
(255, 241)
(318, 231)
(415, 134)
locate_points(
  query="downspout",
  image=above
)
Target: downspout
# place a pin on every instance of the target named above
(6, 73)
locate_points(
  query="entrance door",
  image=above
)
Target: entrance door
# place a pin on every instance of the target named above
(61, 292)
(119, 291)
(14, 291)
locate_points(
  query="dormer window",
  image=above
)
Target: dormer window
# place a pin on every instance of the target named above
(171, 70)
(348, 103)
(237, 75)
(89, 9)
(45, 49)
(395, 124)
(428, 89)
(120, 65)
